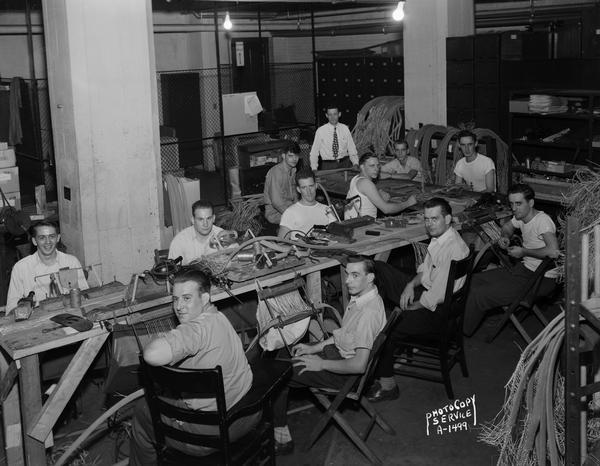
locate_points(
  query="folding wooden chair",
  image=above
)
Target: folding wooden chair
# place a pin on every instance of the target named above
(331, 399)
(525, 301)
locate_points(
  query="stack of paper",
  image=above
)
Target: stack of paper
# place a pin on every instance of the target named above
(540, 103)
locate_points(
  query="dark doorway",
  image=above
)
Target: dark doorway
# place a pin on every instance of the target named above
(181, 111)
(250, 65)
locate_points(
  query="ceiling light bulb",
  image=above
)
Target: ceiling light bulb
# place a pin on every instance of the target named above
(398, 13)
(227, 24)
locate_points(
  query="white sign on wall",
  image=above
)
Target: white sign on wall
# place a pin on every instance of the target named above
(239, 53)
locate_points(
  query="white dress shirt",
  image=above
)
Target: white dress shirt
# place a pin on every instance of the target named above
(323, 145)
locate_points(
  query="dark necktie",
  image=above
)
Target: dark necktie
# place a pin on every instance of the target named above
(335, 147)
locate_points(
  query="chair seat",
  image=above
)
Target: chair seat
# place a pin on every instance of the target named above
(246, 447)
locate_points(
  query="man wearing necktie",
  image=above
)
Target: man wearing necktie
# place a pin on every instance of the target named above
(333, 143)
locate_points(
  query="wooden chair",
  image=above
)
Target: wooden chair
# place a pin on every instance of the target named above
(438, 351)
(524, 302)
(331, 399)
(164, 383)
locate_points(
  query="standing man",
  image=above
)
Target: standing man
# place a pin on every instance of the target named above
(307, 212)
(420, 295)
(33, 273)
(280, 185)
(333, 142)
(194, 242)
(499, 287)
(329, 362)
(474, 169)
(404, 166)
(203, 339)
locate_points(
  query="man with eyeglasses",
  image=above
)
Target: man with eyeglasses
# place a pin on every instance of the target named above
(33, 273)
(475, 170)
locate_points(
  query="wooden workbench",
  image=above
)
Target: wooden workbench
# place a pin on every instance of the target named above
(23, 342)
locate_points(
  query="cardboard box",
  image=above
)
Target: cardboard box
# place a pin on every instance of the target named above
(9, 179)
(14, 200)
(7, 158)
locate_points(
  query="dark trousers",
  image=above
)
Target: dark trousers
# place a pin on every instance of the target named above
(141, 445)
(316, 379)
(391, 283)
(333, 164)
(495, 288)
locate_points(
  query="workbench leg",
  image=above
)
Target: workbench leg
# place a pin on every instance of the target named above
(313, 287)
(31, 403)
(382, 256)
(11, 422)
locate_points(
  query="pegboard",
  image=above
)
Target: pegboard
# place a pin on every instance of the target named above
(352, 82)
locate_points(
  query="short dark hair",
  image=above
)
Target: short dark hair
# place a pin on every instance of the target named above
(202, 204)
(291, 146)
(401, 141)
(192, 274)
(331, 106)
(440, 202)
(524, 189)
(304, 174)
(43, 223)
(369, 264)
(465, 133)
(366, 156)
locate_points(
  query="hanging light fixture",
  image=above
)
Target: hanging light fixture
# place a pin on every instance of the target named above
(398, 13)
(227, 24)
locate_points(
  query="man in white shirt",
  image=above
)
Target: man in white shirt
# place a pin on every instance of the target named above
(36, 271)
(333, 142)
(404, 166)
(475, 170)
(194, 242)
(307, 212)
(501, 286)
(419, 312)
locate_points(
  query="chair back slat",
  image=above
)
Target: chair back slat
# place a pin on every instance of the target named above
(454, 301)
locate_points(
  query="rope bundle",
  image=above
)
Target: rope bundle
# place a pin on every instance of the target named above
(529, 429)
(378, 124)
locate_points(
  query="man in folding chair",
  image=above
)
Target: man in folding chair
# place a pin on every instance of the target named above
(499, 287)
(203, 339)
(420, 294)
(328, 363)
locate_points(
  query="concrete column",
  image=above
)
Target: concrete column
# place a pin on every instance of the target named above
(427, 24)
(102, 83)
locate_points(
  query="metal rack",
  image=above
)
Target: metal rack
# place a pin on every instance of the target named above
(582, 305)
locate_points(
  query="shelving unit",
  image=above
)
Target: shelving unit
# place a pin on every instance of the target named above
(527, 132)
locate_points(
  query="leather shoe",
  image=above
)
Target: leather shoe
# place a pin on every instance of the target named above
(282, 449)
(377, 394)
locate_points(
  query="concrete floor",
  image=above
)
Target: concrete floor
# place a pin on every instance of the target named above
(490, 366)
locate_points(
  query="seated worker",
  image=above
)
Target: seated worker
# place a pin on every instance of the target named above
(307, 212)
(418, 297)
(368, 197)
(194, 241)
(203, 339)
(404, 166)
(333, 142)
(328, 363)
(474, 169)
(280, 184)
(499, 287)
(32, 273)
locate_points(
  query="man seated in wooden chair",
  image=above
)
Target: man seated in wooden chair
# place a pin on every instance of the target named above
(499, 287)
(203, 339)
(419, 296)
(328, 363)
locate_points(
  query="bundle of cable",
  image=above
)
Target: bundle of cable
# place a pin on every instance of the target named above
(529, 429)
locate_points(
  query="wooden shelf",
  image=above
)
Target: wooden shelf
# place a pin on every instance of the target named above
(560, 116)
